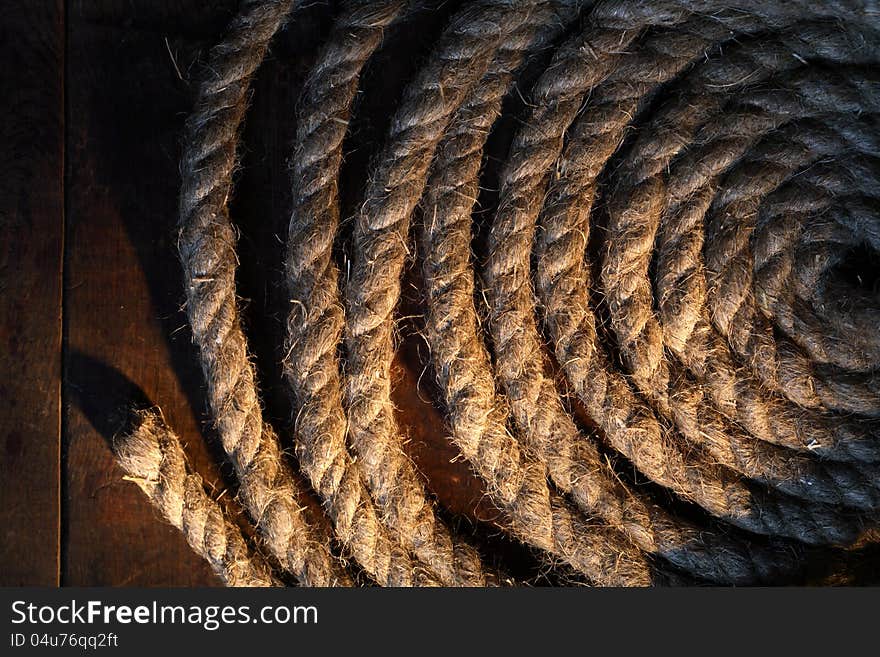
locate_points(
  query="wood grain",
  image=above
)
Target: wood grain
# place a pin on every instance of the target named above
(31, 222)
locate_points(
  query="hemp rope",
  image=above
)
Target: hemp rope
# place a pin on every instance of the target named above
(206, 247)
(714, 165)
(574, 465)
(153, 458)
(516, 340)
(315, 323)
(560, 248)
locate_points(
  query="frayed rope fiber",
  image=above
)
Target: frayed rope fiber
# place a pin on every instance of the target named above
(652, 324)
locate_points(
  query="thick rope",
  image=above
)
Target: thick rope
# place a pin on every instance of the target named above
(517, 484)
(677, 285)
(464, 373)
(717, 166)
(316, 321)
(153, 458)
(381, 233)
(562, 278)
(207, 250)
(518, 348)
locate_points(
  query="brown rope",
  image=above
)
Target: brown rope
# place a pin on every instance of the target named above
(206, 245)
(316, 321)
(153, 458)
(716, 165)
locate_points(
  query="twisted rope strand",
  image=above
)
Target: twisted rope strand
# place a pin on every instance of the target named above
(575, 464)
(679, 284)
(207, 251)
(380, 238)
(460, 360)
(153, 458)
(316, 320)
(517, 346)
(464, 371)
(790, 261)
(562, 242)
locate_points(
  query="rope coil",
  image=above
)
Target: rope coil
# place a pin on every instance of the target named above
(678, 278)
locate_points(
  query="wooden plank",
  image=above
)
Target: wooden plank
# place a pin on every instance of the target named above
(32, 224)
(126, 338)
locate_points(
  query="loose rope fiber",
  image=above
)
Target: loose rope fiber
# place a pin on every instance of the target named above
(646, 238)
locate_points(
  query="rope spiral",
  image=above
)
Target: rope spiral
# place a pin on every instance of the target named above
(652, 321)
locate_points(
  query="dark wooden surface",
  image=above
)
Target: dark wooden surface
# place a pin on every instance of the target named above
(91, 319)
(32, 226)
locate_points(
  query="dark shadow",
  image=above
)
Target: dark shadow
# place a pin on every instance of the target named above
(108, 399)
(124, 140)
(105, 395)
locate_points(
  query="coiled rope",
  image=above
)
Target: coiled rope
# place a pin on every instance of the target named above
(677, 282)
